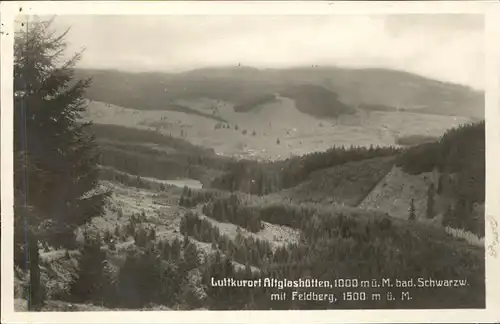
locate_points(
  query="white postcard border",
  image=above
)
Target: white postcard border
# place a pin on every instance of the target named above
(489, 8)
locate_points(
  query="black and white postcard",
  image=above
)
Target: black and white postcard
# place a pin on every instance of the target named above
(226, 162)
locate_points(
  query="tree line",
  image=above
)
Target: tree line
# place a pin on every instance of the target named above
(333, 244)
(459, 157)
(261, 178)
(244, 249)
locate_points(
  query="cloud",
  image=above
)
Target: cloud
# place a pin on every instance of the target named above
(446, 47)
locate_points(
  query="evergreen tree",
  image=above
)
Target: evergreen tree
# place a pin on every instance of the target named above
(35, 290)
(195, 231)
(460, 213)
(152, 234)
(117, 231)
(239, 236)
(175, 250)
(107, 285)
(191, 256)
(439, 189)
(55, 160)
(448, 217)
(89, 282)
(140, 237)
(411, 211)
(55, 170)
(129, 281)
(430, 201)
(107, 236)
(112, 245)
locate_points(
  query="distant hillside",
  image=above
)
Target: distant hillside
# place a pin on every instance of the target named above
(126, 135)
(384, 87)
(150, 154)
(371, 88)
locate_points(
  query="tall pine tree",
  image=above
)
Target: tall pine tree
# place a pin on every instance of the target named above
(411, 211)
(55, 159)
(90, 282)
(35, 292)
(430, 201)
(55, 173)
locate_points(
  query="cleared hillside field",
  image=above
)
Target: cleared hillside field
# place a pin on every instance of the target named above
(394, 193)
(274, 130)
(346, 184)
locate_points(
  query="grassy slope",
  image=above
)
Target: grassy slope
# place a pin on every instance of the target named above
(254, 134)
(394, 193)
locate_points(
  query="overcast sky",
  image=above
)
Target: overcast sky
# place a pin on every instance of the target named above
(445, 47)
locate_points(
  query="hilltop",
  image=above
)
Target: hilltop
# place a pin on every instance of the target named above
(368, 87)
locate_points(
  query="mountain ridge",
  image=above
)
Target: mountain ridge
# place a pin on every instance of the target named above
(359, 86)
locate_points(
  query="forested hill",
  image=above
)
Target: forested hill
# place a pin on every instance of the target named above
(147, 153)
(458, 157)
(460, 152)
(116, 133)
(238, 85)
(317, 101)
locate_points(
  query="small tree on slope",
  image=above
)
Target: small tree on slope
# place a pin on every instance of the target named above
(411, 211)
(90, 282)
(430, 201)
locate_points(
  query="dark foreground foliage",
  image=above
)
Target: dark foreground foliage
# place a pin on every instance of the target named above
(350, 245)
(334, 245)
